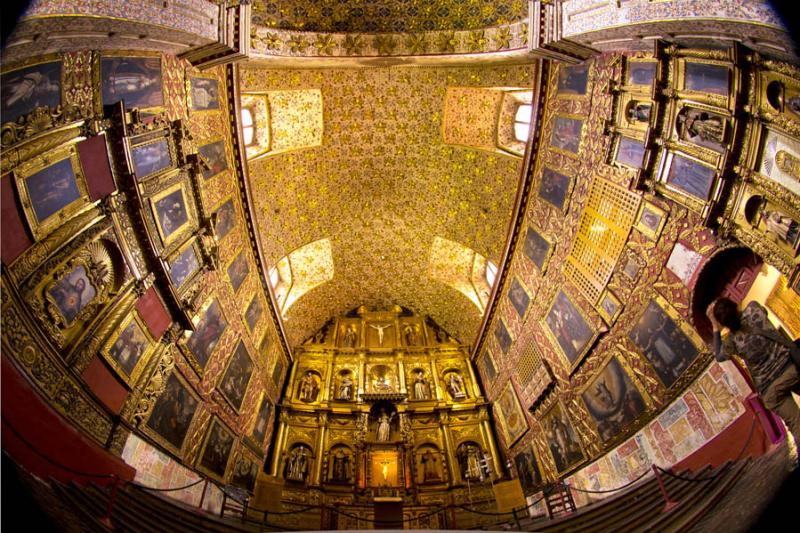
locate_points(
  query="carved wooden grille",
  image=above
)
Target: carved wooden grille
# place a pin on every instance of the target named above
(605, 224)
(528, 364)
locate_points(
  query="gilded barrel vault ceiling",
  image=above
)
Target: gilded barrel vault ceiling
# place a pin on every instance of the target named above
(377, 16)
(382, 187)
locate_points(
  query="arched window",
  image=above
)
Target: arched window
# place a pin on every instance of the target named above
(491, 273)
(248, 127)
(522, 122)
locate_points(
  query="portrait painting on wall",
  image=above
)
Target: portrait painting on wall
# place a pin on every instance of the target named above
(707, 78)
(52, 189)
(205, 94)
(133, 80)
(650, 220)
(151, 158)
(519, 297)
(489, 366)
(572, 80)
(702, 128)
(528, 471)
(216, 449)
(129, 346)
(514, 422)
(503, 336)
(641, 72)
(244, 473)
(571, 330)
(173, 412)
(690, 177)
(610, 307)
(26, 89)
(253, 313)
(537, 248)
(171, 212)
(214, 156)
(554, 187)
(277, 371)
(238, 270)
(207, 333)
(630, 152)
(561, 439)
(183, 266)
(613, 400)
(72, 293)
(668, 348)
(262, 418)
(226, 219)
(566, 134)
(631, 268)
(237, 376)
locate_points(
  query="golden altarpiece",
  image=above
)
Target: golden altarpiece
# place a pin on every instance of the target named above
(383, 404)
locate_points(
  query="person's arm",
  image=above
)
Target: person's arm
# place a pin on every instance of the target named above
(720, 353)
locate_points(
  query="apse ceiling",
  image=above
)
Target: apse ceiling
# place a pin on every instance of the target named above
(383, 187)
(379, 16)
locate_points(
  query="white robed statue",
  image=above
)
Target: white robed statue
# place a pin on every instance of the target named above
(384, 426)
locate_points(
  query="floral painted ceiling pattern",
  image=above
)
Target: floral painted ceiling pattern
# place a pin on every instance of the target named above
(377, 16)
(381, 187)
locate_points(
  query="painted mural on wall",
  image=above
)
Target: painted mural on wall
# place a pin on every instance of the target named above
(26, 89)
(613, 400)
(133, 80)
(173, 412)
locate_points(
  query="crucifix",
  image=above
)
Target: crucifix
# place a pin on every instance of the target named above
(385, 470)
(380, 329)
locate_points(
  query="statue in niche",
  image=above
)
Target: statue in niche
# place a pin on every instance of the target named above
(781, 226)
(422, 390)
(297, 466)
(341, 466)
(345, 391)
(788, 163)
(455, 386)
(411, 333)
(384, 426)
(309, 388)
(639, 111)
(350, 337)
(469, 457)
(700, 124)
(383, 385)
(429, 471)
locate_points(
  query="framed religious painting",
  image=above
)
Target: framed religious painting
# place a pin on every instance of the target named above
(666, 340)
(502, 335)
(562, 440)
(640, 73)
(173, 213)
(528, 471)
(215, 452)
(129, 347)
(554, 188)
(225, 219)
(629, 152)
(489, 366)
(510, 413)
(537, 248)
(573, 81)
(233, 385)
(151, 154)
(650, 220)
(277, 370)
(253, 313)
(210, 324)
(519, 296)
(244, 471)
(214, 159)
(185, 264)
(172, 414)
(778, 158)
(52, 188)
(688, 180)
(569, 329)
(609, 307)
(567, 134)
(238, 269)
(29, 88)
(613, 400)
(136, 81)
(261, 420)
(203, 94)
(704, 126)
(705, 78)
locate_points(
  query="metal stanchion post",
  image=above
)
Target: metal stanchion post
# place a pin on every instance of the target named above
(669, 504)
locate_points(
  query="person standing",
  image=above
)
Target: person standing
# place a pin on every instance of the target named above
(770, 357)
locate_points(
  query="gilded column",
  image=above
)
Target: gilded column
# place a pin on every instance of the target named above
(401, 367)
(486, 430)
(435, 371)
(323, 426)
(279, 444)
(449, 451)
(476, 391)
(362, 368)
(327, 393)
(292, 388)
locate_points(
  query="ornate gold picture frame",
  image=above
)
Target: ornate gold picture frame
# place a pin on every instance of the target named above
(129, 347)
(569, 329)
(650, 220)
(173, 212)
(216, 451)
(514, 422)
(566, 448)
(173, 414)
(609, 307)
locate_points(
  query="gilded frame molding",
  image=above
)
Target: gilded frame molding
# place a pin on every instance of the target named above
(191, 428)
(142, 363)
(649, 232)
(231, 453)
(570, 366)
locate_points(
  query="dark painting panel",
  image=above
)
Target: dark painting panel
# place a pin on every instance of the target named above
(72, 293)
(238, 270)
(253, 313)
(562, 439)
(519, 298)
(207, 334)
(226, 219)
(214, 156)
(536, 248)
(568, 327)
(277, 371)
(151, 158)
(707, 78)
(573, 79)
(129, 347)
(613, 400)
(184, 266)
(663, 343)
(52, 189)
(260, 427)
(26, 89)
(217, 450)
(173, 412)
(554, 187)
(691, 177)
(528, 472)
(171, 212)
(133, 80)
(502, 336)
(234, 383)
(205, 94)
(488, 364)
(642, 73)
(566, 134)
(630, 152)
(244, 474)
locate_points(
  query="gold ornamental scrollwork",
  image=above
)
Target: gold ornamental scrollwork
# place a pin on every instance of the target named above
(154, 388)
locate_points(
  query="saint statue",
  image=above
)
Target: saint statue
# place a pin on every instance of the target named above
(429, 467)
(638, 112)
(308, 387)
(345, 391)
(297, 466)
(383, 385)
(455, 386)
(411, 334)
(710, 128)
(350, 337)
(384, 426)
(472, 465)
(341, 466)
(788, 163)
(421, 389)
(781, 226)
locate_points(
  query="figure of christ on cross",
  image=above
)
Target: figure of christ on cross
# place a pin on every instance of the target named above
(385, 471)
(380, 328)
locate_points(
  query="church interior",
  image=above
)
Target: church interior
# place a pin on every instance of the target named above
(358, 264)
